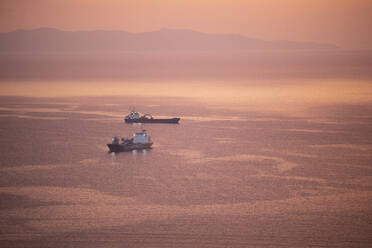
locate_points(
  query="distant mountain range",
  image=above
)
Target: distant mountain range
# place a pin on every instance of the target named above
(54, 40)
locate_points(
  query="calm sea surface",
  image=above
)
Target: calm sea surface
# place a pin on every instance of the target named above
(279, 164)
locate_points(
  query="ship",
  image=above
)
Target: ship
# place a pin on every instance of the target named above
(135, 117)
(139, 141)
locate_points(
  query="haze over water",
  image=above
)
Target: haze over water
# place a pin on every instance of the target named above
(274, 145)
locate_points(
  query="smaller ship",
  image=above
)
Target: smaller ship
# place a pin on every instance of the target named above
(139, 141)
(134, 117)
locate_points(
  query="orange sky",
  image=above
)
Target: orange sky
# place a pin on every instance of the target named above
(346, 23)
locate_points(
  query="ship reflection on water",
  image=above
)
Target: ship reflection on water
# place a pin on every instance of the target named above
(116, 158)
(251, 166)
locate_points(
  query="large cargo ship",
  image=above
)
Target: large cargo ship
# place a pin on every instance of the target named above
(135, 117)
(139, 141)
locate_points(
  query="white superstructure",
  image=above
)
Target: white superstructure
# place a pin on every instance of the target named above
(141, 138)
(133, 115)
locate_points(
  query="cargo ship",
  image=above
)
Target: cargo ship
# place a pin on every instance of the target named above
(139, 141)
(135, 117)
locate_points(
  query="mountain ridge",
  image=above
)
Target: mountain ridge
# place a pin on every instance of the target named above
(56, 40)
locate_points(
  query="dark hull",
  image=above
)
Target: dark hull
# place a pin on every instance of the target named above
(146, 120)
(127, 148)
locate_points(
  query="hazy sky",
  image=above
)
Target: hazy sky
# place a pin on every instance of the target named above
(346, 23)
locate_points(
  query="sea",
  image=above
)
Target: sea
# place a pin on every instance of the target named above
(252, 163)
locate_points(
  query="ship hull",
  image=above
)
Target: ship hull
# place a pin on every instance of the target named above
(146, 120)
(127, 148)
